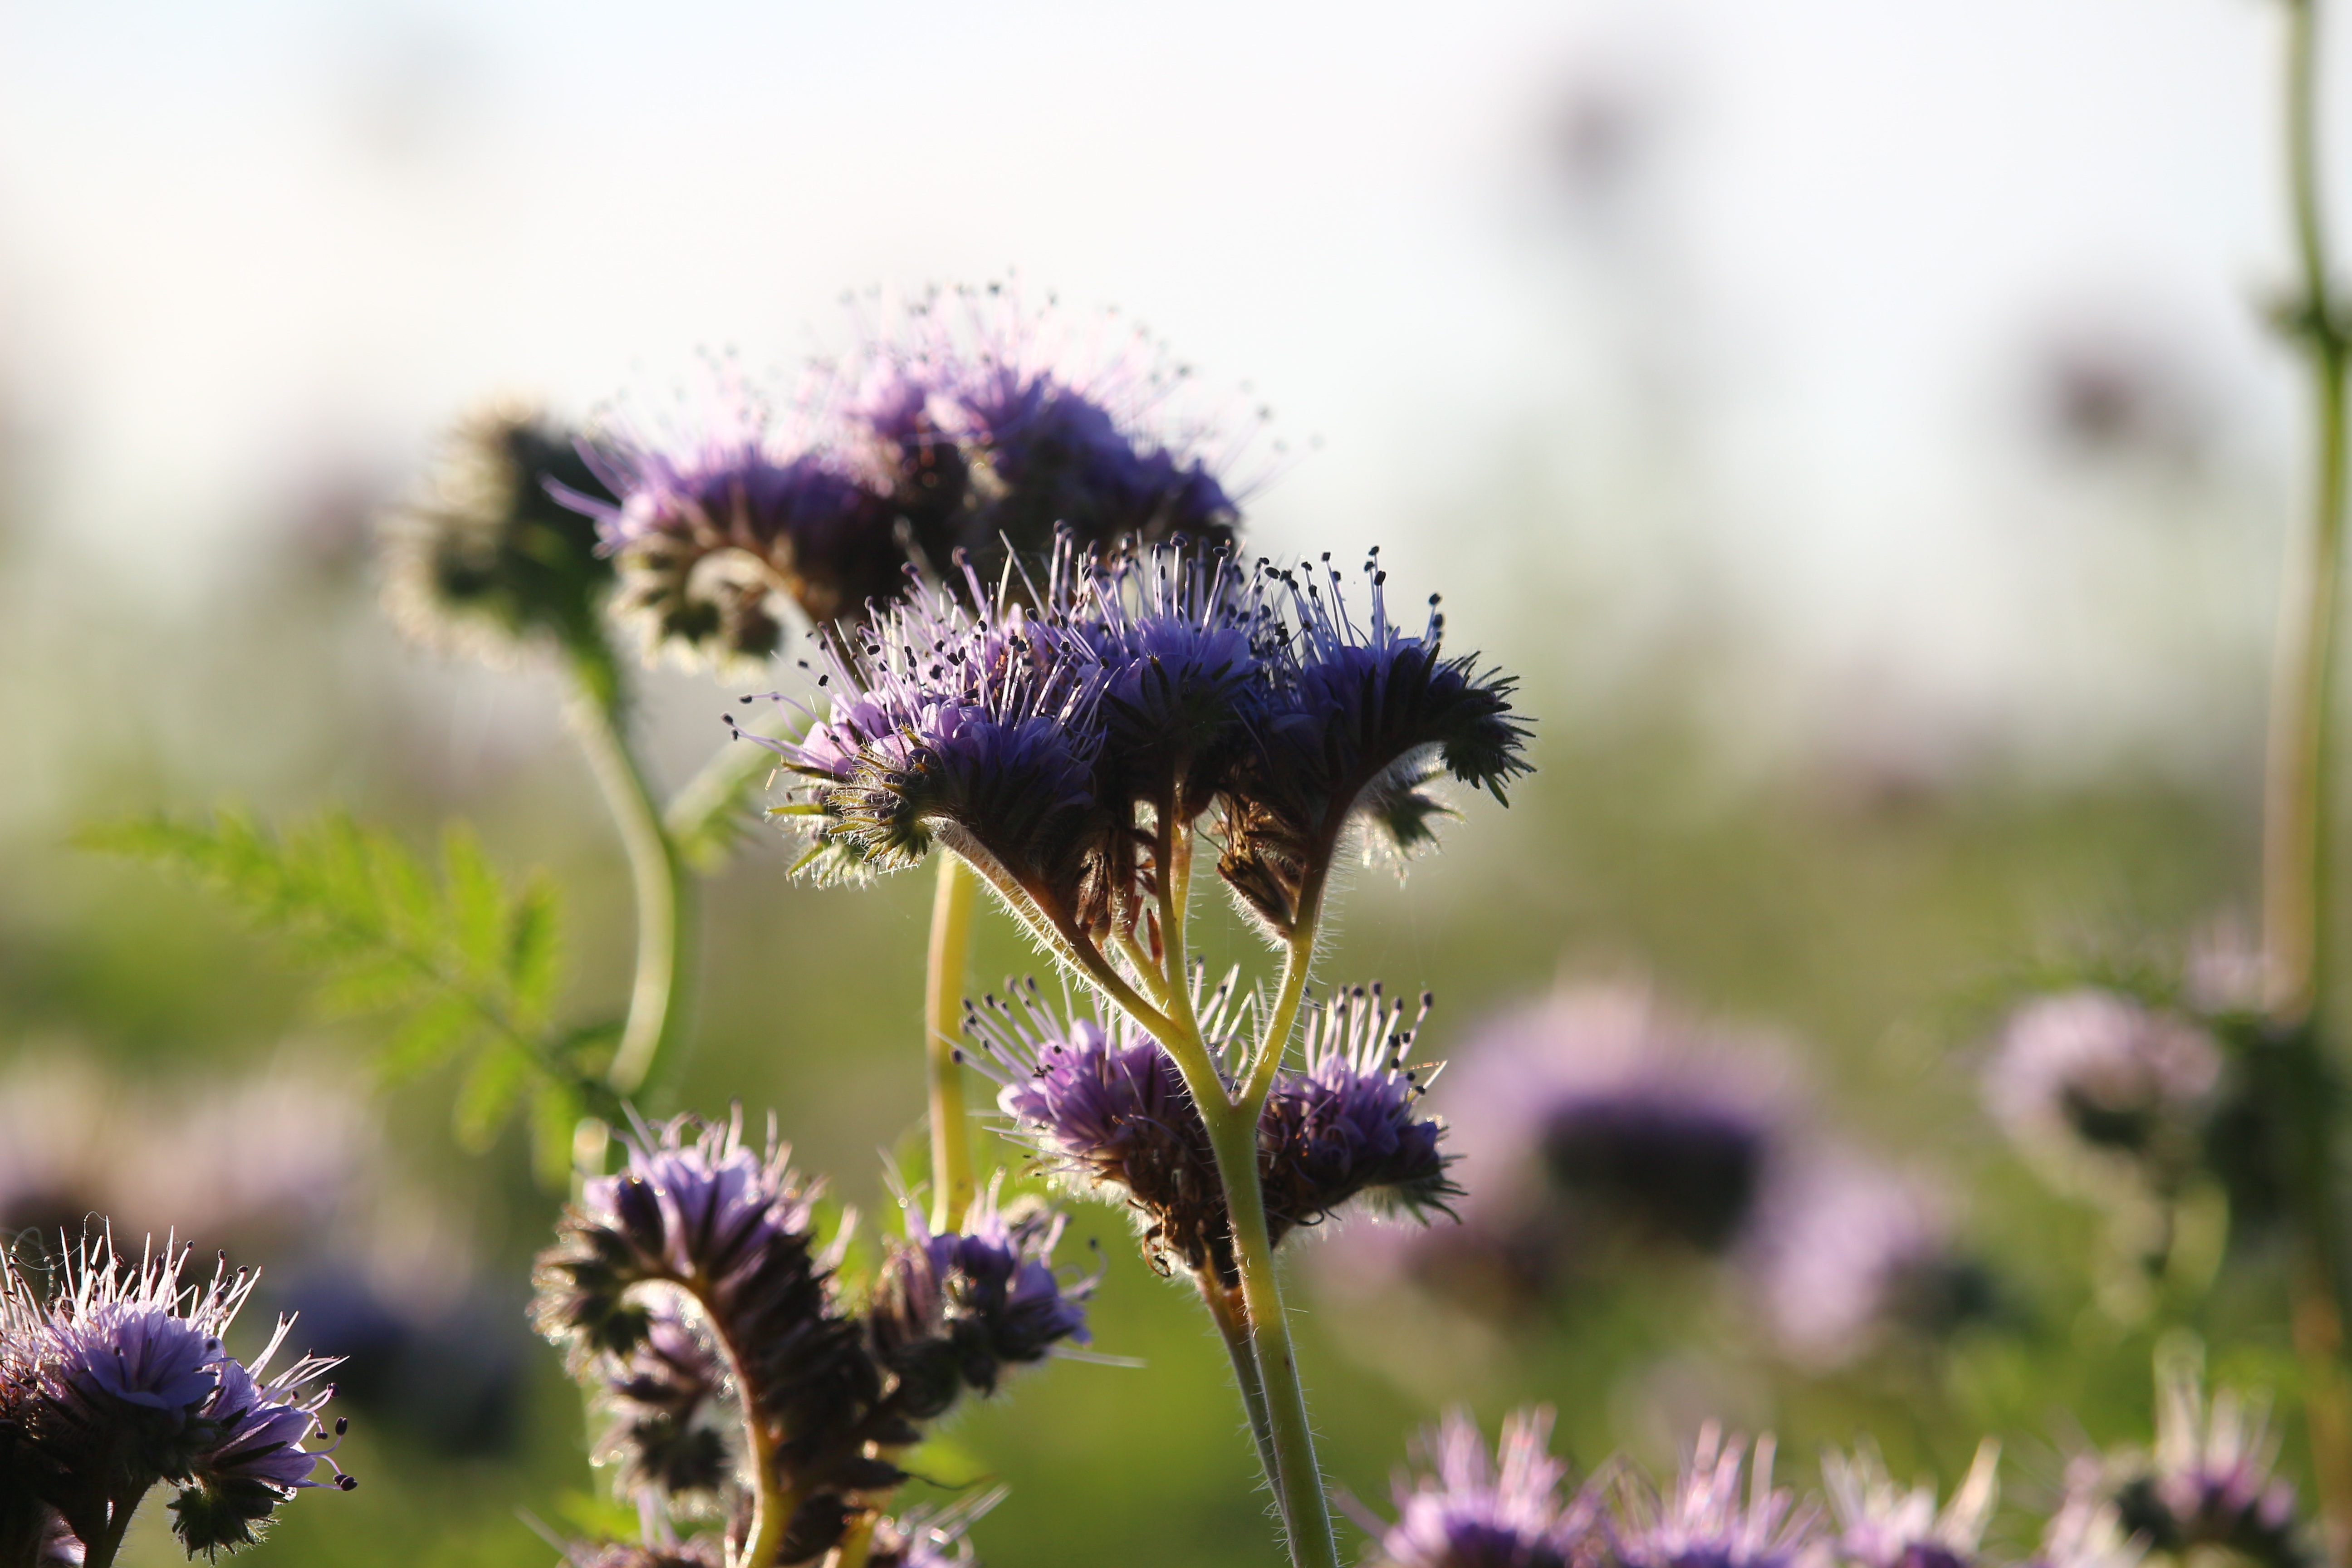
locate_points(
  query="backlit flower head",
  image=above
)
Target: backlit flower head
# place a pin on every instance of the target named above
(488, 557)
(951, 1312)
(1035, 422)
(1705, 1522)
(2211, 1481)
(1467, 1511)
(2087, 1532)
(1847, 1254)
(121, 1379)
(702, 1551)
(1348, 1123)
(1358, 720)
(715, 531)
(1108, 1112)
(2101, 1089)
(1882, 1525)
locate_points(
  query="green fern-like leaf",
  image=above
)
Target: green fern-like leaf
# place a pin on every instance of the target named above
(464, 965)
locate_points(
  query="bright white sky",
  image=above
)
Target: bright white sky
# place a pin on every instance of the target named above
(246, 242)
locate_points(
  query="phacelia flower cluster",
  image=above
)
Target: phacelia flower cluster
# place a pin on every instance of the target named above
(1723, 1512)
(1106, 1112)
(117, 1381)
(972, 426)
(2104, 1092)
(693, 1290)
(488, 557)
(1066, 735)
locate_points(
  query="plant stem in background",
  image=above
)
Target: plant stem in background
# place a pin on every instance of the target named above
(658, 875)
(951, 910)
(2296, 855)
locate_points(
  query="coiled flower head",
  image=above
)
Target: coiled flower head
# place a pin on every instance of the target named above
(1705, 1523)
(487, 557)
(1882, 1525)
(951, 1312)
(665, 1396)
(1466, 1511)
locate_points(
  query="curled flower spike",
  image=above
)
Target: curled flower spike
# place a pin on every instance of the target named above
(488, 557)
(953, 1311)
(120, 1381)
(711, 532)
(2211, 1480)
(1882, 1525)
(1108, 1112)
(2102, 1091)
(1345, 1125)
(664, 1396)
(1359, 720)
(1466, 1512)
(1703, 1522)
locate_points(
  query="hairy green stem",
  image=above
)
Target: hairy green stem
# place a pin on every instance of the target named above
(658, 998)
(2297, 855)
(1233, 1327)
(951, 1172)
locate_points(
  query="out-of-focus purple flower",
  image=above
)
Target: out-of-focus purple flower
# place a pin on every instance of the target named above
(2103, 1091)
(1348, 1124)
(1108, 1112)
(1639, 1120)
(1466, 1511)
(1882, 1525)
(2087, 1532)
(486, 559)
(2211, 1480)
(120, 1380)
(1705, 1523)
(702, 1551)
(1358, 721)
(951, 1312)
(1846, 1253)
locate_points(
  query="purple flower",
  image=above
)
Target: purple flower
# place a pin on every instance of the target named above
(700, 1211)
(2211, 1481)
(713, 532)
(1705, 1523)
(1882, 1525)
(2102, 1091)
(664, 1396)
(951, 1312)
(1108, 1112)
(2086, 1532)
(1640, 1121)
(702, 1551)
(1032, 429)
(1358, 720)
(1847, 1252)
(1349, 1124)
(1467, 1513)
(121, 1379)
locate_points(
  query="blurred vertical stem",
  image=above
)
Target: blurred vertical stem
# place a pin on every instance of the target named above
(2296, 838)
(951, 909)
(1233, 1326)
(658, 1000)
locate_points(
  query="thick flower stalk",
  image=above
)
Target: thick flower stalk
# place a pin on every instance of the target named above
(119, 1380)
(1068, 732)
(692, 1285)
